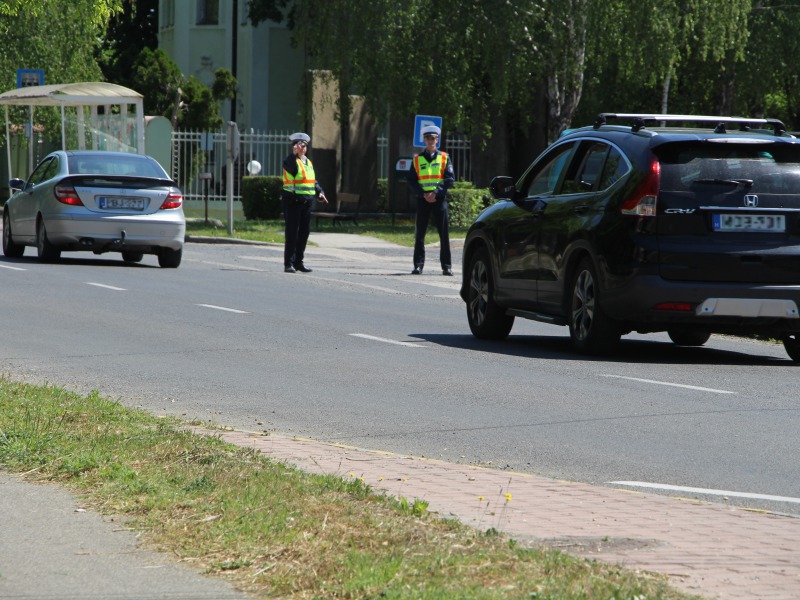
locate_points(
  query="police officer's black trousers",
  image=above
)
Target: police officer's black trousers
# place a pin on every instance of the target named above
(297, 216)
(441, 219)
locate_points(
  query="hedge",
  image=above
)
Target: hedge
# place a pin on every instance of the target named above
(261, 198)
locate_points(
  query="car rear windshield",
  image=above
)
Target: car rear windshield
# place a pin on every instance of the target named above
(768, 168)
(117, 165)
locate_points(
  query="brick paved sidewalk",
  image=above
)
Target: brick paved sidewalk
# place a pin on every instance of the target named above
(706, 549)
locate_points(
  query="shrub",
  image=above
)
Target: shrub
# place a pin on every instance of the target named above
(382, 200)
(261, 198)
(466, 203)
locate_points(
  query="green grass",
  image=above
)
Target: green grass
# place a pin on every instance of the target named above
(401, 232)
(273, 530)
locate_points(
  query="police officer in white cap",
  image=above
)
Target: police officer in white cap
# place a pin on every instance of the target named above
(300, 187)
(430, 179)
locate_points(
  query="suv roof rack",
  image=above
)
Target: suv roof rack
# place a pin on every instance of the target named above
(720, 123)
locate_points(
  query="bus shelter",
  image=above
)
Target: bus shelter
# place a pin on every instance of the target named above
(118, 127)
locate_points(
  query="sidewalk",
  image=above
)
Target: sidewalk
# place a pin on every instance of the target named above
(706, 549)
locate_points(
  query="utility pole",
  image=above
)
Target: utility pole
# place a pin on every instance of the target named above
(234, 48)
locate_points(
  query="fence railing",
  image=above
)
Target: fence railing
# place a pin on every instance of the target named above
(457, 145)
(199, 159)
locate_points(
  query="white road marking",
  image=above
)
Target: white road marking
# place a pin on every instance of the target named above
(680, 385)
(108, 287)
(385, 341)
(13, 268)
(233, 310)
(707, 492)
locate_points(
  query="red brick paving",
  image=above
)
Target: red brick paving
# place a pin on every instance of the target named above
(707, 549)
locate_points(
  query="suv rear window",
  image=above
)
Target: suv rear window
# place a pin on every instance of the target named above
(766, 168)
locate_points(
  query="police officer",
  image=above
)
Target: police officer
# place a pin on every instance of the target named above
(299, 189)
(430, 179)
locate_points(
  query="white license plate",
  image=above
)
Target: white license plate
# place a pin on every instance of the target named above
(124, 202)
(745, 222)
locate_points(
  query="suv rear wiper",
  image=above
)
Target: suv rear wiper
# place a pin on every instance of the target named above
(743, 182)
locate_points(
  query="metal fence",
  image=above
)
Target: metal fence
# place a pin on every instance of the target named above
(199, 159)
(457, 145)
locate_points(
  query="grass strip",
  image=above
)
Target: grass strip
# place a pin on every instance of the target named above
(269, 528)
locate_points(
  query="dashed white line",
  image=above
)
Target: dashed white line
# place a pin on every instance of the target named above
(704, 491)
(108, 287)
(233, 310)
(386, 341)
(12, 268)
(679, 385)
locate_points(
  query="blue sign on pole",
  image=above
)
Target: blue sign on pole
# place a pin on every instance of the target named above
(421, 121)
(29, 77)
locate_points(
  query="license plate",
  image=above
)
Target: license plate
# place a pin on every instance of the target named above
(124, 202)
(745, 222)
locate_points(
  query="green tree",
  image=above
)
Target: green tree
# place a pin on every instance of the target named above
(129, 32)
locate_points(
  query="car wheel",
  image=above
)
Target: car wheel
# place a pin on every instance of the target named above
(10, 249)
(132, 257)
(169, 259)
(486, 319)
(591, 330)
(46, 251)
(684, 337)
(791, 342)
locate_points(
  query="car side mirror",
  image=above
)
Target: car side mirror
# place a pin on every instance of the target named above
(16, 184)
(503, 188)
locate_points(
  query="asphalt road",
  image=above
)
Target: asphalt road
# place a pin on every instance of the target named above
(360, 352)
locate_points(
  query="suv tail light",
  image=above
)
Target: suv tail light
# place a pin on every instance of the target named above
(174, 200)
(66, 194)
(644, 199)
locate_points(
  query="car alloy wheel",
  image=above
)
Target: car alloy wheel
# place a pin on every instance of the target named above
(10, 249)
(46, 251)
(590, 329)
(486, 319)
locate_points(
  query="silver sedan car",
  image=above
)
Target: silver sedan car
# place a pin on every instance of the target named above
(98, 202)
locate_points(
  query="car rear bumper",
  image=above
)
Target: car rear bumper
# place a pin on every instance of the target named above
(93, 233)
(650, 303)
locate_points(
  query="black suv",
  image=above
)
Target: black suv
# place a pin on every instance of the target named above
(676, 223)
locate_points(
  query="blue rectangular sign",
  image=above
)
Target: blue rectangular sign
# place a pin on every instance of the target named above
(421, 121)
(29, 77)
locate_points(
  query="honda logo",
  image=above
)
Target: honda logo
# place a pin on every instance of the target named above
(751, 200)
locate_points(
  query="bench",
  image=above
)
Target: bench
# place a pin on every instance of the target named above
(346, 209)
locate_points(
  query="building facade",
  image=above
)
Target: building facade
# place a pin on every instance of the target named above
(202, 36)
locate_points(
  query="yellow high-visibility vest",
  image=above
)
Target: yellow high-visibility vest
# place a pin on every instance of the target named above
(430, 174)
(303, 182)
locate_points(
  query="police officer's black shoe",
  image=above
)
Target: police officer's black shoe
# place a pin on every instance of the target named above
(417, 270)
(447, 271)
(302, 268)
(289, 269)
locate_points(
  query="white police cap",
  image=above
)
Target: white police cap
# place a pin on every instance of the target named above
(431, 129)
(299, 137)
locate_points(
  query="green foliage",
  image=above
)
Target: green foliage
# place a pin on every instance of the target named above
(465, 204)
(261, 197)
(382, 200)
(159, 80)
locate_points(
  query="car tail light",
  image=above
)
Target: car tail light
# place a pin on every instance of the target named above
(643, 201)
(174, 200)
(66, 194)
(675, 306)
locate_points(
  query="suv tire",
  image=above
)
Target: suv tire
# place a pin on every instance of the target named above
(791, 342)
(486, 319)
(684, 337)
(592, 332)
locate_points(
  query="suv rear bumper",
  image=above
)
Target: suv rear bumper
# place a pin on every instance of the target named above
(716, 307)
